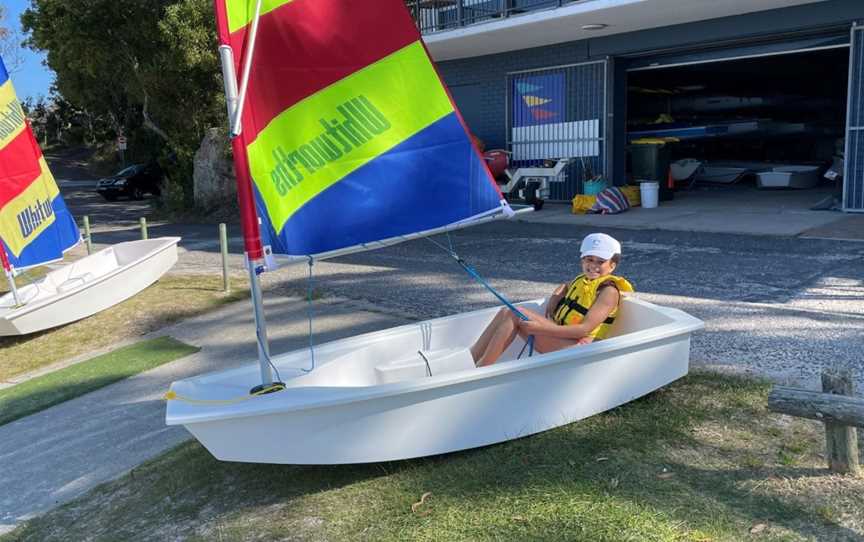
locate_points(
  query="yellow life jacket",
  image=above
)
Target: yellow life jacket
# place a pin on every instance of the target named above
(580, 295)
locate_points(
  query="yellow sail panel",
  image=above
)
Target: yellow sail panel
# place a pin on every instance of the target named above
(241, 12)
(30, 212)
(323, 138)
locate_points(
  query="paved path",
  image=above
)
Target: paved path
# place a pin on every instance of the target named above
(60, 453)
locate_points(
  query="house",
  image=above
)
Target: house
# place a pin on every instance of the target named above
(748, 84)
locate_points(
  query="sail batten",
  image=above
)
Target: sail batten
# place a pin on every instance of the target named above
(35, 225)
(349, 134)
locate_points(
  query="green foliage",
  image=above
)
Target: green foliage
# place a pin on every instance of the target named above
(148, 70)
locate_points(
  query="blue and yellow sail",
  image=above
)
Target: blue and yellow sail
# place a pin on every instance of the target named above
(349, 132)
(35, 225)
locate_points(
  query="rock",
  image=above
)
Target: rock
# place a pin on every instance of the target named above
(213, 175)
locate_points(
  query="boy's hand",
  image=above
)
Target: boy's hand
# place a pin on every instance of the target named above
(533, 327)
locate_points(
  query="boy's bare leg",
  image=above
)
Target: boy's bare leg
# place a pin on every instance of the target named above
(501, 338)
(479, 347)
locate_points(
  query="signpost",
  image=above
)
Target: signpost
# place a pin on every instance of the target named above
(121, 146)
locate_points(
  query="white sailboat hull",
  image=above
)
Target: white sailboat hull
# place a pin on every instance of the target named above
(349, 409)
(87, 286)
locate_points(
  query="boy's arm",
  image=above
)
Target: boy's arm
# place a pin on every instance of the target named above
(605, 303)
(554, 299)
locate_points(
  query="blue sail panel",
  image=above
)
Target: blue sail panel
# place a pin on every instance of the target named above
(431, 180)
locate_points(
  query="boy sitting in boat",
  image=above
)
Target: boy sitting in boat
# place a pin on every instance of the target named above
(577, 313)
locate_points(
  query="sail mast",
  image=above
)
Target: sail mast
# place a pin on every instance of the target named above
(248, 214)
(7, 269)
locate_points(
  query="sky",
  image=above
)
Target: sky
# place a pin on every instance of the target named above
(32, 78)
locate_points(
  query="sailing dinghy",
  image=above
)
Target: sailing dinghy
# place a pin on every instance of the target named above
(345, 139)
(36, 229)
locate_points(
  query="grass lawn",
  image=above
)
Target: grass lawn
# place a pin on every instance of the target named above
(172, 298)
(53, 388)
(700, 460)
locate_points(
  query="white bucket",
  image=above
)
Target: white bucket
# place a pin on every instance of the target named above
(649, 192)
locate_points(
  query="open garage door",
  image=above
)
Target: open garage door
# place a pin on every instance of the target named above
(761, 123)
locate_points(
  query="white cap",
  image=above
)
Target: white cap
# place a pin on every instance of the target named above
(600, 245)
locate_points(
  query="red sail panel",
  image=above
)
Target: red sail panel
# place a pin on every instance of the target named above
(307, 45)
(19, 166)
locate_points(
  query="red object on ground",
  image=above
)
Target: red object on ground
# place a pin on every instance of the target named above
(497, 160)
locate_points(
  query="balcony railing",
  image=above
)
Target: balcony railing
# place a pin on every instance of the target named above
(440, 15)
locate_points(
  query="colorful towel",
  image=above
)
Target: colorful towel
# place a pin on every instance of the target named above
(610, 201)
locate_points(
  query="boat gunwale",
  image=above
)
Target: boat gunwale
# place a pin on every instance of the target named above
(269, 404)
(27, 308)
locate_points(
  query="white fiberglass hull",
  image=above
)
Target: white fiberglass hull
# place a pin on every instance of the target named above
(342, 413)
(87, 286)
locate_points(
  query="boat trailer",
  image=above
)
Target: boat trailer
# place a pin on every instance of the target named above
(530, 184)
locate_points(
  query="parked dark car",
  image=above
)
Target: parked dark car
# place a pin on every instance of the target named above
(133, 182)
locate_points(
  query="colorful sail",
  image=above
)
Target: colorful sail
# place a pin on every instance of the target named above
(35, 226)
(350, 135)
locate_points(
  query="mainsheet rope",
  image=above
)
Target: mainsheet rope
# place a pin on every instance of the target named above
(471, 271)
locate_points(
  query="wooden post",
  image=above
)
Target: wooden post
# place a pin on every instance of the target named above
(841, 441)
(223, 245)
(87, 240)
(836, 408)
(817, 406)
(143, 228)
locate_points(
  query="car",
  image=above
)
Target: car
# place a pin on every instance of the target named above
(133, 182)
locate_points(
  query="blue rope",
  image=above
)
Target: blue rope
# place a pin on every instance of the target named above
(470, 270)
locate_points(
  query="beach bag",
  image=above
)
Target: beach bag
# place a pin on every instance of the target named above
(610, 201)
(633, 195)
(582, 203)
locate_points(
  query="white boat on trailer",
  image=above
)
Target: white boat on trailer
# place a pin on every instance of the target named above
(373, 397)
(86, 286)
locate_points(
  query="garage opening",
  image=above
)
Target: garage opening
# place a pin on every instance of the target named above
(768, 128)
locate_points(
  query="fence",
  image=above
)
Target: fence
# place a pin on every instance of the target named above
(559, 112)
(440, 15)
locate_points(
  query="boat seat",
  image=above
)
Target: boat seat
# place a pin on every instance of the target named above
(447, 360)
(73, 282)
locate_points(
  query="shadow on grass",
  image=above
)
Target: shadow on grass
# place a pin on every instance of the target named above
(598, 479)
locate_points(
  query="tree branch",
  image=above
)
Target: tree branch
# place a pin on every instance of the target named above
(148, 122)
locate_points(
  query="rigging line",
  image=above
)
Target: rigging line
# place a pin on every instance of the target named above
(470, 270)
(428, 368)
(266, 355)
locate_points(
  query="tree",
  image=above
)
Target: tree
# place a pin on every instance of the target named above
(144, 66)
(10, 43)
